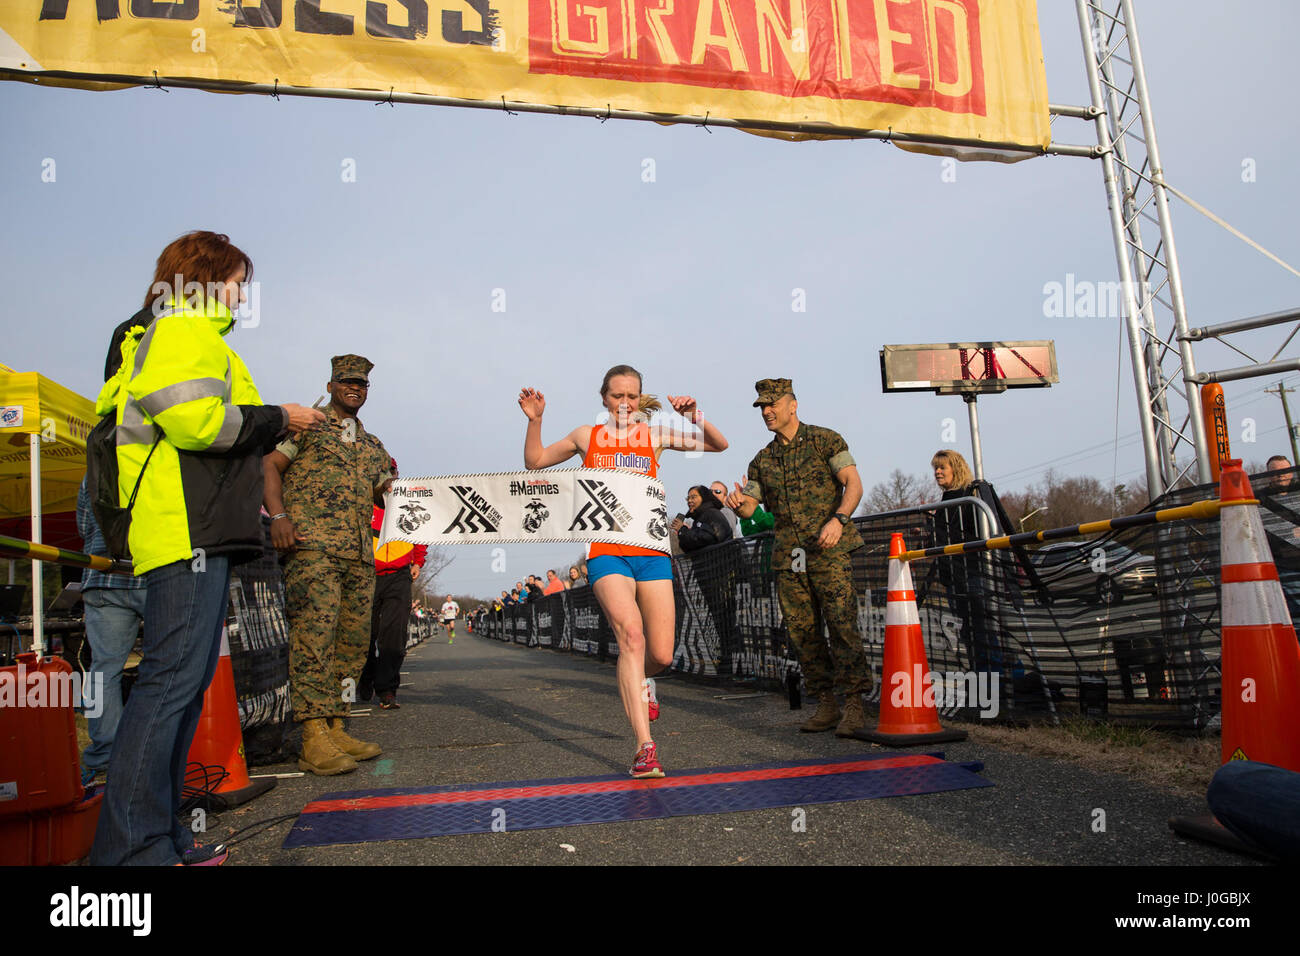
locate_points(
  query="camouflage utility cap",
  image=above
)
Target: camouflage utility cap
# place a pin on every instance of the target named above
(770, 389)
(350, 366)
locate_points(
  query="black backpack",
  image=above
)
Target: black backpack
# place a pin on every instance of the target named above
(101, 465)
(101, 482)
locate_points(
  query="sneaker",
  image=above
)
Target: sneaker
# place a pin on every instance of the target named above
(212, 854)
(88, 777)
(389, 702)
(651, 699)
(647, 763)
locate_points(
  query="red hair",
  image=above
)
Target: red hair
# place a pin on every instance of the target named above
(207, 259)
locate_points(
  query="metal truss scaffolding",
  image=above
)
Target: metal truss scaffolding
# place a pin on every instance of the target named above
(1144, 247)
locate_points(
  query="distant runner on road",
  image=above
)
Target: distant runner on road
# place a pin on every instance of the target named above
(450, 611)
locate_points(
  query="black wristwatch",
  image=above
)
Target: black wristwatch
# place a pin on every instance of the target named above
(843, 519)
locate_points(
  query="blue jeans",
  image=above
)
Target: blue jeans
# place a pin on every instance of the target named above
(113, 617)
(184, 614)
(1259, 803)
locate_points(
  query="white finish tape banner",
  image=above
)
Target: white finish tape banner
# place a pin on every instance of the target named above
(576, 504)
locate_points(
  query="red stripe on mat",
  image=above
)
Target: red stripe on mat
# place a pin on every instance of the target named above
(613, 786)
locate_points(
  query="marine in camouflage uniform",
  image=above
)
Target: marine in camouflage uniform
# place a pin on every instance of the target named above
(332, 478)
(801, 479)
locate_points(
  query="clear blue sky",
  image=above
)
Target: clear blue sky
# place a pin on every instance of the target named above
(690, 278)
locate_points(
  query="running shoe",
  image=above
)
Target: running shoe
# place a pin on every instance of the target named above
(212, 854)
(389, 702)
(651, 699)
(647, 763)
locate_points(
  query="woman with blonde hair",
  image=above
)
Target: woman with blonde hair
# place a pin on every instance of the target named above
(633, 585)
(951, 473)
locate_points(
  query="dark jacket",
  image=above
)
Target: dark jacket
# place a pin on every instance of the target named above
(711, 527)
(953, 525)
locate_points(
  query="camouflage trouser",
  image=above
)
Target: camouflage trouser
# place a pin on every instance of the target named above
(327, 601)
(824, 595)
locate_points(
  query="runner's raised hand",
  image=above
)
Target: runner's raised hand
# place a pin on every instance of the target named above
(685, 406)
(533, 403)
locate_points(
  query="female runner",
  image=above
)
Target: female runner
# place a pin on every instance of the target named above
(633, 585)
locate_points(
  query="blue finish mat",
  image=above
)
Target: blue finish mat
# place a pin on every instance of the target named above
(414, 813)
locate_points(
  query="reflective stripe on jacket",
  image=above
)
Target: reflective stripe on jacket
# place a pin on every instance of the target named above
(202, 488)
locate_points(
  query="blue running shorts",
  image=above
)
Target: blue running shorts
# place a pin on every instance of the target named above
(638, 567)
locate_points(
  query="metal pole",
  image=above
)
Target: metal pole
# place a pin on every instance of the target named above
(38, 580)
(1290, 429)
(1286, 413)
(1114, 200)
(976, 453)
(1242, 325)
(1248, 371)
(1171, 255)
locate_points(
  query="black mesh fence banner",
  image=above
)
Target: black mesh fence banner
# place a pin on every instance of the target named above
(1123, 627)
(728, 618)
(259, 655)
(419, 628)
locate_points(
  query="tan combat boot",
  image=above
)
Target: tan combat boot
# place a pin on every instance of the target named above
(855, 718)
(356, 749)
(827, 716)
(320, 754)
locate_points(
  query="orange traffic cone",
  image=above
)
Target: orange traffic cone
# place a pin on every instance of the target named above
(1260, 663)
(1260, 660)
(218, 742)
(908, 715)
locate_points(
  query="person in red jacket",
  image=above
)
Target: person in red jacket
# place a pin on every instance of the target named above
(397, 565)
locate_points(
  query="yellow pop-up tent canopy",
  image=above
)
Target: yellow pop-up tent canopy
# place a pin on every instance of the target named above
(31, 404)
(43, 429)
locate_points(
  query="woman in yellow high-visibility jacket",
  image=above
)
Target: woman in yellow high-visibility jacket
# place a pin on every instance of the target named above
(191, 432)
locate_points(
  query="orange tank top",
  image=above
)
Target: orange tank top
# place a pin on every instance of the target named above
(633, 452)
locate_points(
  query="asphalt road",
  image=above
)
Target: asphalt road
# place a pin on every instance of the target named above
(481, 711)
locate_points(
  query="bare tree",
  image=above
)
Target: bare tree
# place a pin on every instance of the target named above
(1069, 501)
(898, 491)
(426, 585)
(1026, 510)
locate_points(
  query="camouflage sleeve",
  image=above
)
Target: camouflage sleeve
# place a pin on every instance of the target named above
(383, 468)
(288, 448)
(753, 487)
(838, 455)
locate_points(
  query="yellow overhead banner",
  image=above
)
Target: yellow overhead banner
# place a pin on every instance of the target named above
(969, 70)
